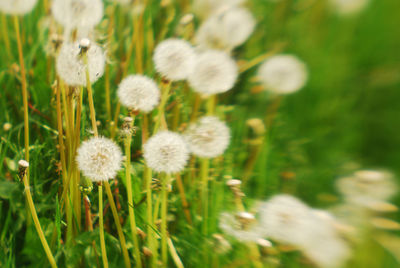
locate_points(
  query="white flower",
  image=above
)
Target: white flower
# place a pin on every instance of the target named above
(204, 8)
(283, 74)
(226, 30)
(78, 14)
(241, 226)
(138, 92)
(284, 218)
(367, 187)
(214, 72)
(166, 152)
(208, 138)
(17, 7)
(348, 7)
(174, 59)
(288, 220)
(99, 159)
(70, 64)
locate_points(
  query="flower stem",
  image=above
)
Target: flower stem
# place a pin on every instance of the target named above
(128, 141)
(37, 223)
(90, 97)
(24, 89)
(101, 223)
(118, 224)
(204, 167)
(164, 207)
(166, 86)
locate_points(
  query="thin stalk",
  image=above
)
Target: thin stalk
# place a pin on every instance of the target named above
(24, 90)
(101, 223)
(174, 254)
(115, 121)
(5, 34)
(196, 106)
(204, 169)
(185, 204)
(90, 97)
(128, 141)
(37, 223)
(150, 232)
(107, 70)
(161, 108)
(164, 207)
(118, 225)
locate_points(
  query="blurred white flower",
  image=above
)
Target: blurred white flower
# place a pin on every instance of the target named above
(78, 14)
(174, 59)
(242, 226)
(367, 187)
(226, 30)
(70, 64)
(208, 138)
(166, 152)
(283, 74)
(288, 220)
(348, 7)
(17, 7)
(138, 92)
(99, 159)
(214, 72)
(204, 8)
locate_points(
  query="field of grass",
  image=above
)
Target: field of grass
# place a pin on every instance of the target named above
(346, 118)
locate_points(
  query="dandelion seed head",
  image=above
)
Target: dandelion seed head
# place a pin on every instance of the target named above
(174, 59)
(23, 163)
(233, 226)
(208, 138)
(17, 7)
(138, 92)
(367, 187)
(214, 72)
(283, 74)
(348, 7)
(78, 14)
(99, 159)
(166, 152)
(70, 64)
(226, 30)
(204, 8)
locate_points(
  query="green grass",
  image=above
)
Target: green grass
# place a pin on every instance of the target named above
(346, 117)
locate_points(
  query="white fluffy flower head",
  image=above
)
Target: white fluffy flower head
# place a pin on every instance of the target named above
(99, 159)
(207, 138)
(348, 7)
(138, 92)
(227, 29)
(367, 187)
(214, 72)
(241, 227)
(70, 64)
(78, 14)
(174, 59)
(204, 8)
(283, 74)
(166, 152)
(17, 7)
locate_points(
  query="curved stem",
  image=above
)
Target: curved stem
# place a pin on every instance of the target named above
(37, 223)
(118, 224)
(132, 220)
(164, 208)
(101, 223)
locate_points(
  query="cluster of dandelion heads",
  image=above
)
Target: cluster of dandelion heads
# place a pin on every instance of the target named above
(367, 187)
(242, 226)
(174, 59)
(166, 152)
(283, 74)
(348, 7)
(99, 159)
(17, 7)
(209, 137)
(77, 14)
(214, 72)
(138, 92)
(70, 64)
(226, 29)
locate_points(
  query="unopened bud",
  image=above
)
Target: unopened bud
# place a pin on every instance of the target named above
(23, 166)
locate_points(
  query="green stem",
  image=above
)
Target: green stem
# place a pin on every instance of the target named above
(204, 169)
(164, 207)
(101, 223)
(132, 220)
(118, 224)
(37, 223)
(161, 108)
(150, 232)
